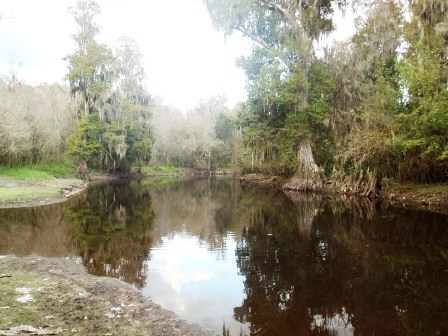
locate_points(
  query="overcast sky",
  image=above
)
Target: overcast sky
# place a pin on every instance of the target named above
(185, 59)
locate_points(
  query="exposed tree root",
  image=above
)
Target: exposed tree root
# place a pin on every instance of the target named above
(360, 184)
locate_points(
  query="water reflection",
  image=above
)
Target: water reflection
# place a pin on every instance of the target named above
(202, 287)
(192, 269)
(113, 227)
(43, 230)
(354, 269)
(253, 261)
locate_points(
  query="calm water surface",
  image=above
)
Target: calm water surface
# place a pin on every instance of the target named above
(253, 261)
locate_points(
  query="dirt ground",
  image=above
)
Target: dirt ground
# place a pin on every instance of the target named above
(44, 296)
(260, 179)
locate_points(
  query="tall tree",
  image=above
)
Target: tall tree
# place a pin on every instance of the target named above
(114, 113)
(90, 66)
(423, 138)
(287, 29)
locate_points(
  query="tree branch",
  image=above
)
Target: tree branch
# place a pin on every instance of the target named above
(262, 42)
(283, 12)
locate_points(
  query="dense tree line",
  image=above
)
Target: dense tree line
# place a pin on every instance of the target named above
(106, 118)
(35, 121)
(205, 138)
(376, 102)
(102, 118)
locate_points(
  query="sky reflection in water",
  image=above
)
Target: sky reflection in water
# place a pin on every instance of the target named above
(255, 259)
(202, 286)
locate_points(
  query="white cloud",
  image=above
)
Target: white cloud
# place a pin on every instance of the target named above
(185, 59)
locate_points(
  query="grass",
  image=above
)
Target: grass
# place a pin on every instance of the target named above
(34, 190)
(38, 172)
(35, 183)
(26, 193)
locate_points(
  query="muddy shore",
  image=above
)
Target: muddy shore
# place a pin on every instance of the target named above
(45, 296)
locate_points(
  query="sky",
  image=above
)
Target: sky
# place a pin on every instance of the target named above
(185, 59)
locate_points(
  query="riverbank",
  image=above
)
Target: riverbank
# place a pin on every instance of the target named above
(45, 296)
(430, 197)
(36, 186)
(16, 193)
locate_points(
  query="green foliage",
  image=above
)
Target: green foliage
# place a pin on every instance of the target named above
(25, 173)
(84, 143)
(225, 133)
(373, 102)
(387, 183)
(55, 169)
(422, 138)
(38, 172)
(139, 143)
(113, 131)
(271, 139)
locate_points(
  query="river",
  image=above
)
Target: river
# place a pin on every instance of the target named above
(252, 260)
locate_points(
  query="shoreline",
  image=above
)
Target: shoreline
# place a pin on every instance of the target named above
(431, 197)
(23, 194)
(51, 296)
(15, 193)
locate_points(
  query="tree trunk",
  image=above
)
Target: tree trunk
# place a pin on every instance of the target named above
(209, 161)
(83, 172)
(308, 176)
(252, 160)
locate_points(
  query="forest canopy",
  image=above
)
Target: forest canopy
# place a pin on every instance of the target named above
(376, 102)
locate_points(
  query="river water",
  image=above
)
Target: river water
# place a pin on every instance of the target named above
(251, 260)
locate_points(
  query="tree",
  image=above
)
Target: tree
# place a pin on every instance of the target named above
(90, 65)
(226, 134)
(131, 105)
(35, 122)
(287, 30)
(423, 139)
(110, 85)
(367, 94)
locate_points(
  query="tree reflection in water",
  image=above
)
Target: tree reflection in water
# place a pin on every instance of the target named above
(311, 265)
(37, 230)
(113, 225)
(315, 266)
